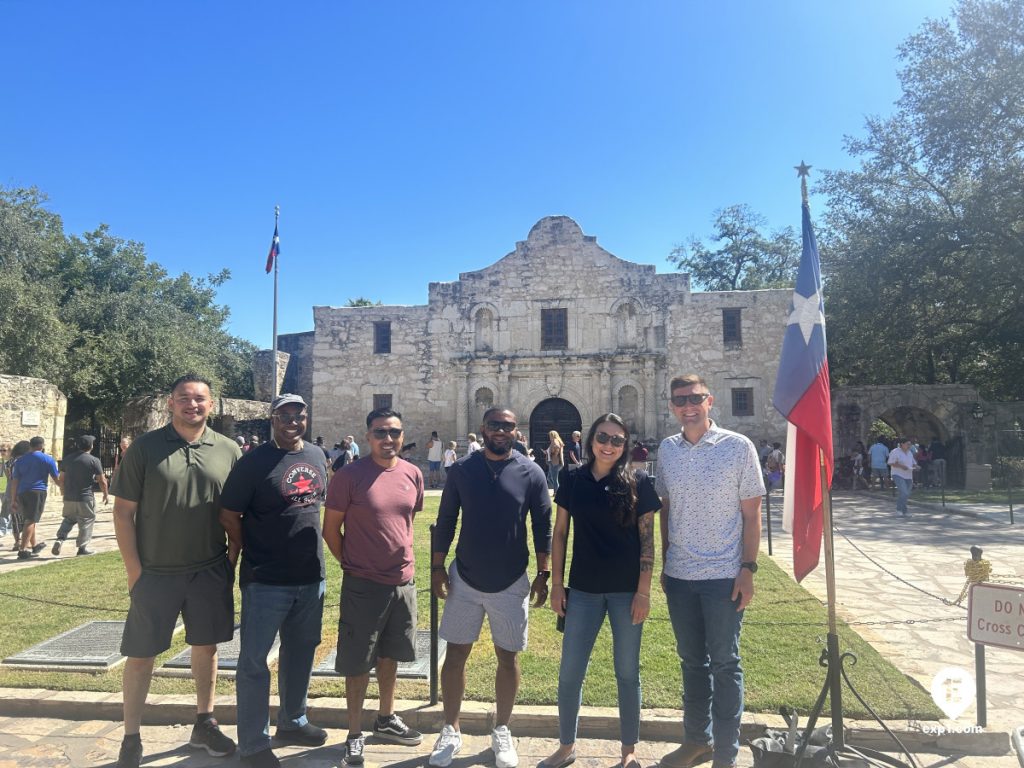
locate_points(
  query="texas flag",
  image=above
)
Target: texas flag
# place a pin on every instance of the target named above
(803, 396)
(275, 250)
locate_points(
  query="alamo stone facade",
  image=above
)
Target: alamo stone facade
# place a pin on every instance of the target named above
(559, 330)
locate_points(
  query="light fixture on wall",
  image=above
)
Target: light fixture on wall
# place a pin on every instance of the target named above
(977, 413)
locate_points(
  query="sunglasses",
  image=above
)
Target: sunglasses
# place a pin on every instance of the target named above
(380, 433)
(502, 426)
(696, 399)
(616, 440)
(287, 418)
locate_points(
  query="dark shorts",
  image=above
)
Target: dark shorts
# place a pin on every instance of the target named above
(205, 599)
(31, 505)
(377, 620)
(433, 466)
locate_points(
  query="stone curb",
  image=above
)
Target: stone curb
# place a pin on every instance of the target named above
(478, 718)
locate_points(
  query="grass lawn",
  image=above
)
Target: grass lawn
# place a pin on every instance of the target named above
(783, 634)
(998, 497)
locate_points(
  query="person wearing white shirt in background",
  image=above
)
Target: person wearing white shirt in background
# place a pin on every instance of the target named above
(902, 464)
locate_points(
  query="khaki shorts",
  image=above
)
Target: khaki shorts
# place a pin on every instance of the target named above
(377, 621)
(205, 599)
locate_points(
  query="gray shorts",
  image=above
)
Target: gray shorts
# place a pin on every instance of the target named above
(205, 599)
(506, 612)
(377, 621)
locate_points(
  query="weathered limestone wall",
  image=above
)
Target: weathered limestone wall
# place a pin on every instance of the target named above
(478, 341)
(31, 407)
(229, 416)
(263, 373)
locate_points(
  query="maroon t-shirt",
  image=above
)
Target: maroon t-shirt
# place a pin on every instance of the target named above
(379, 506)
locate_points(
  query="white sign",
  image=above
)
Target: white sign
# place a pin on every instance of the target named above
(30, 418)
(953, 691)
(995, 615)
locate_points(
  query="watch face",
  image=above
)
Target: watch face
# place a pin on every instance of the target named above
(751, 566)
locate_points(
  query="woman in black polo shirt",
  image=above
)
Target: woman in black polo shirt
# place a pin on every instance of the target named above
(611, 507)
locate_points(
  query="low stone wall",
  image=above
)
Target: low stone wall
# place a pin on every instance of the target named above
(230, 416)
(30, 407)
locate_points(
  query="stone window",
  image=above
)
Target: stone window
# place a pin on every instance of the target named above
(483, 325)
(484, 398)
(554, 329)
(381, 401)
(659, 337)
(382, 337)
(743, 401)
(732, 329)
(626, 326)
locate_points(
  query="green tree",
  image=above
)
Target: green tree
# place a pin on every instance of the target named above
(923, 249)
(93, 315)
(745, 258)
(362, 301)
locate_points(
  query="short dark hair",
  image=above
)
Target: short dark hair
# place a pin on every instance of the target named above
(382, 413)
(495, 409)
(37, 442)
(190, 378)
(686, 380)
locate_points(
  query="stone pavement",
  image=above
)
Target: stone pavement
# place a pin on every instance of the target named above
(102, 538)
(892, 575)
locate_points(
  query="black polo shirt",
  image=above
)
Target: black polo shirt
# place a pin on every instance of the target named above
(605, 556)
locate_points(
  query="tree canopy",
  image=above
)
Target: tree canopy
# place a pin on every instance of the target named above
(94, 316)
(746, 258)
(923, 249)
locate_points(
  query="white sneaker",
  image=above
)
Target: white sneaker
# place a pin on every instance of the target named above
(504, 750)
(447, 746)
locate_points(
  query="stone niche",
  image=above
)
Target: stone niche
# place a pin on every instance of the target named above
(30, 407)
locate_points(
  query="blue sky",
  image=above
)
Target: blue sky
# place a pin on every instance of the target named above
(408, 142)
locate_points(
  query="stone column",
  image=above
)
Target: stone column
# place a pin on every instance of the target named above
(606, 388)
(650, 427)
(462, 404)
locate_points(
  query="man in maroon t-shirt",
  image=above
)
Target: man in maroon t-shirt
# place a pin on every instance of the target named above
(368, 526)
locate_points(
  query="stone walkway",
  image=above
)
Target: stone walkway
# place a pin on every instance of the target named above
(891, 577)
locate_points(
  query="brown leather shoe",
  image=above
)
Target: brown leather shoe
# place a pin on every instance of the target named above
(688, 754)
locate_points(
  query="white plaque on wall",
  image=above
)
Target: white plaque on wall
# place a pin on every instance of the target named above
(30, 418)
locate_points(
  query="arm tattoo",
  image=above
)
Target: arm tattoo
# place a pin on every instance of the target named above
(646, 526)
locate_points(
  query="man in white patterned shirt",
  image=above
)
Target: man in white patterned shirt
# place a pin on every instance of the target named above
(710, 484)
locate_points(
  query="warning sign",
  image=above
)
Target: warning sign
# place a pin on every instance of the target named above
(995, 615)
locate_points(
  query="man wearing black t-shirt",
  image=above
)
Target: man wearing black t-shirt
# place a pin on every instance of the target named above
(79, 470)
(270, 508)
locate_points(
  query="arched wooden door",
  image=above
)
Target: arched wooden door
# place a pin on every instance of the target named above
(557, 414)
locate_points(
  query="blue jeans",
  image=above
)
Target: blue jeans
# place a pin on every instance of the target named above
(583, 619)
(295, 611)
(707, 629)
(553, 477)
(903, 488)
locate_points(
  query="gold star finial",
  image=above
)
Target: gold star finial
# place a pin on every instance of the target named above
(803, 171)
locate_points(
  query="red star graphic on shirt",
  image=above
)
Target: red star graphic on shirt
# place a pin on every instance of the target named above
(302, 484)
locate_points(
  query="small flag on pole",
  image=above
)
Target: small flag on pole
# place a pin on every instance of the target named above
(275, 250)
(803, 396)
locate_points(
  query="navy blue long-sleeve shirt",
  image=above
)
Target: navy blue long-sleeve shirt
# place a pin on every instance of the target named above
(494, 498)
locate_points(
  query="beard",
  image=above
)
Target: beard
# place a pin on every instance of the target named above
(497, 448)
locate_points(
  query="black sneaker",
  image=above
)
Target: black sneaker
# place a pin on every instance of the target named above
(208, 735)
(391, 728)
(85, 551)
(56, 547)
(354, 750)
(130, 754)
(307, 735)
(39, 547)
(24, 554)
(262, 759)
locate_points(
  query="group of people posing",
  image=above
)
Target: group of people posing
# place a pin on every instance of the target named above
(189, 506)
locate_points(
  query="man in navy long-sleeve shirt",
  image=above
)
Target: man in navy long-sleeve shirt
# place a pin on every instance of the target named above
(495, 489)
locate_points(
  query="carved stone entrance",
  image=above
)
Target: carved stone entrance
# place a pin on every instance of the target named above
(557, 414)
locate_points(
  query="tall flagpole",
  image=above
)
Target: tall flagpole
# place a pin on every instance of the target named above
(277, 258)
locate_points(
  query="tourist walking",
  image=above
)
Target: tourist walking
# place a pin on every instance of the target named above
(79, 470)
(166, 506)
(878, 455)
(18, 450)
(495, 489)
(556, 449)
(902, 464)
(270, 510)
(711, 485)
(368, 526)
(611, 508)
(30, 480)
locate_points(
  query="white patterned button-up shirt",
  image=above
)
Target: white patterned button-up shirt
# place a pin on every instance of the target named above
(704, 484)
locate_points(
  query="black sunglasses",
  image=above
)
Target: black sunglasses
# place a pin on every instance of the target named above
(604, 438)
(380, 433)
(696, 399)
(502, 426)
(288, 418)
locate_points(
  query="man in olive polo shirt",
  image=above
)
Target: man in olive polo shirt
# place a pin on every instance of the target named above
(167, 490)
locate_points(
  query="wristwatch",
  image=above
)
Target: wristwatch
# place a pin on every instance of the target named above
(545, 574)
(750, 566)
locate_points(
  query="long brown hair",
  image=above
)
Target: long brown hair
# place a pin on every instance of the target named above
(622, 479)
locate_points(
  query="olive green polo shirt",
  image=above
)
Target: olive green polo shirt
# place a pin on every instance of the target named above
(177, 486)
